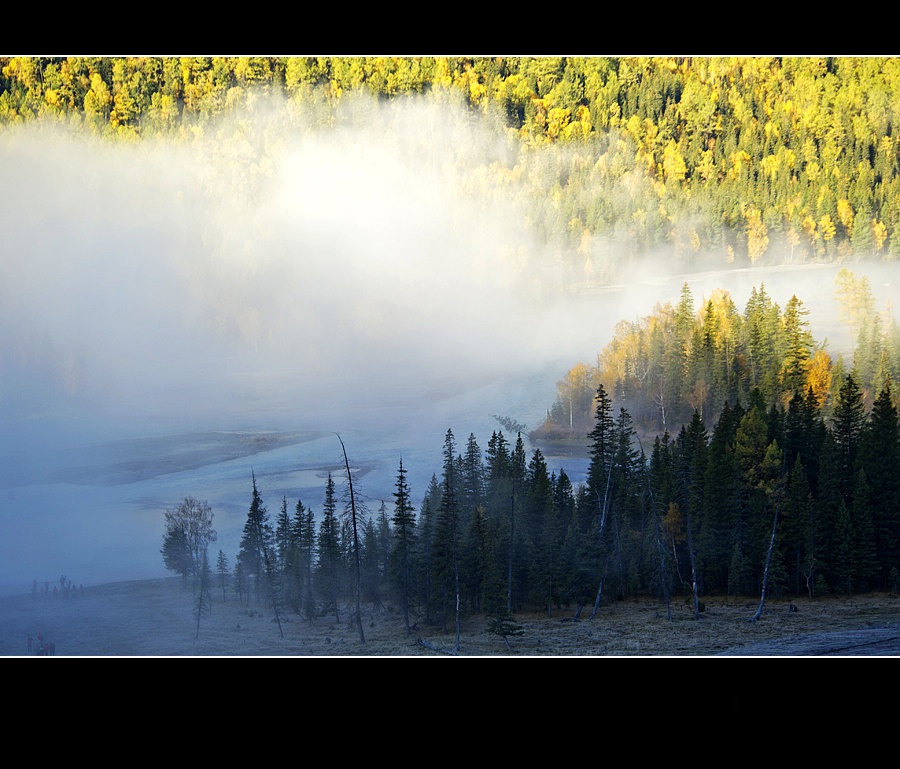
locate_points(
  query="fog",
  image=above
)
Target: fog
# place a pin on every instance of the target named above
(177, 316)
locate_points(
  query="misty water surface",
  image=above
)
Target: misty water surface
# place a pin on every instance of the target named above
(176, 318)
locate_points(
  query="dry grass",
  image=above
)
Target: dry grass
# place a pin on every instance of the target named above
(156, 618)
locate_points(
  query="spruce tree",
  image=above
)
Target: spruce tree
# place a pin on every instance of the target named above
(304, 537)
(446, 544)
(848, 423)
(224, 572)
(880, 456)
(402, 552)
(253, 542)
(329, 565)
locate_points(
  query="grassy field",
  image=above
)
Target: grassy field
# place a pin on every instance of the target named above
(157, 618)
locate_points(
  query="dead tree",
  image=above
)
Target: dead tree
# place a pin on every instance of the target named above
(603, 512)
(274, 580)
(357, 569)
(659, 543)
(203, 605)
(765, 580)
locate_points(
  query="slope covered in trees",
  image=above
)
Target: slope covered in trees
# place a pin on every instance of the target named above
(702, 353)
(753, 159)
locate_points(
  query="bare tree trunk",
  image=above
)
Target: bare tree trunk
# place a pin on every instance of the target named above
(362, 637)
(456, 577)
(603, 512)
(509, 564)
(660, 548)
(765, 582)
(274, 587)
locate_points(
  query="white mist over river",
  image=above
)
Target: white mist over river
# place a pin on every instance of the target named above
(175, 318)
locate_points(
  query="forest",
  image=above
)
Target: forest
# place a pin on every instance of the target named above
(763, 495)
(730, 451)
(717, 160)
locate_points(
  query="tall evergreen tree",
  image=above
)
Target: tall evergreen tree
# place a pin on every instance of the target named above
(880, 456)
(798, 346)
(304, 537)
(223, 572)
(330, 563)
(253, 542)
(426, 524)
(848, 423)
(402, 554)
(446, 544)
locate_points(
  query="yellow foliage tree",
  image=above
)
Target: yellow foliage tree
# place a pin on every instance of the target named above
(757, 233)
(845, 214)
(818, 376)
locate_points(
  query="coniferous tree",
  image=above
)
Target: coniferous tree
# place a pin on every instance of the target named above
(329, 564)
(473, 486)
(224, 572)
(538, 531)
(717, 539)
(690, 471)
(848, 423)
(798, 345)
(282, 537)
(598, 488)
(865, 555)
(370, 573)
(423, 550)
(402, 553)
(446, 544)
(880, 456)
(304, 537)
(253, 542)
(176, 552)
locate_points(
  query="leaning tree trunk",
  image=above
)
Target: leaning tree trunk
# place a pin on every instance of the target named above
(603, 512)
(362, 637)
(765, 581)
(274, 587)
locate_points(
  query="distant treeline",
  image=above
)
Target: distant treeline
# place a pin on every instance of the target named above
(737, 160)
(683, 358)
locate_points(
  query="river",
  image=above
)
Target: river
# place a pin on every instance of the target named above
(84, 490)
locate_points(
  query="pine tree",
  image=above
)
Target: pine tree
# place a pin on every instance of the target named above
(423, 562)
(865, 555)
(798, 345)
(539, 530)
(304, 537)
(597, 491)
(880, 456)
(282, 537)
(473, 486)
(253, 542)
(176, 552)
(329, 566)
(224, 572)
(402, 553)
(690, 471)
(848, 423)
(446, 544)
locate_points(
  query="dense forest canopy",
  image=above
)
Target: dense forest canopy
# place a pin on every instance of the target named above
(701, 353)
(752, 160)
